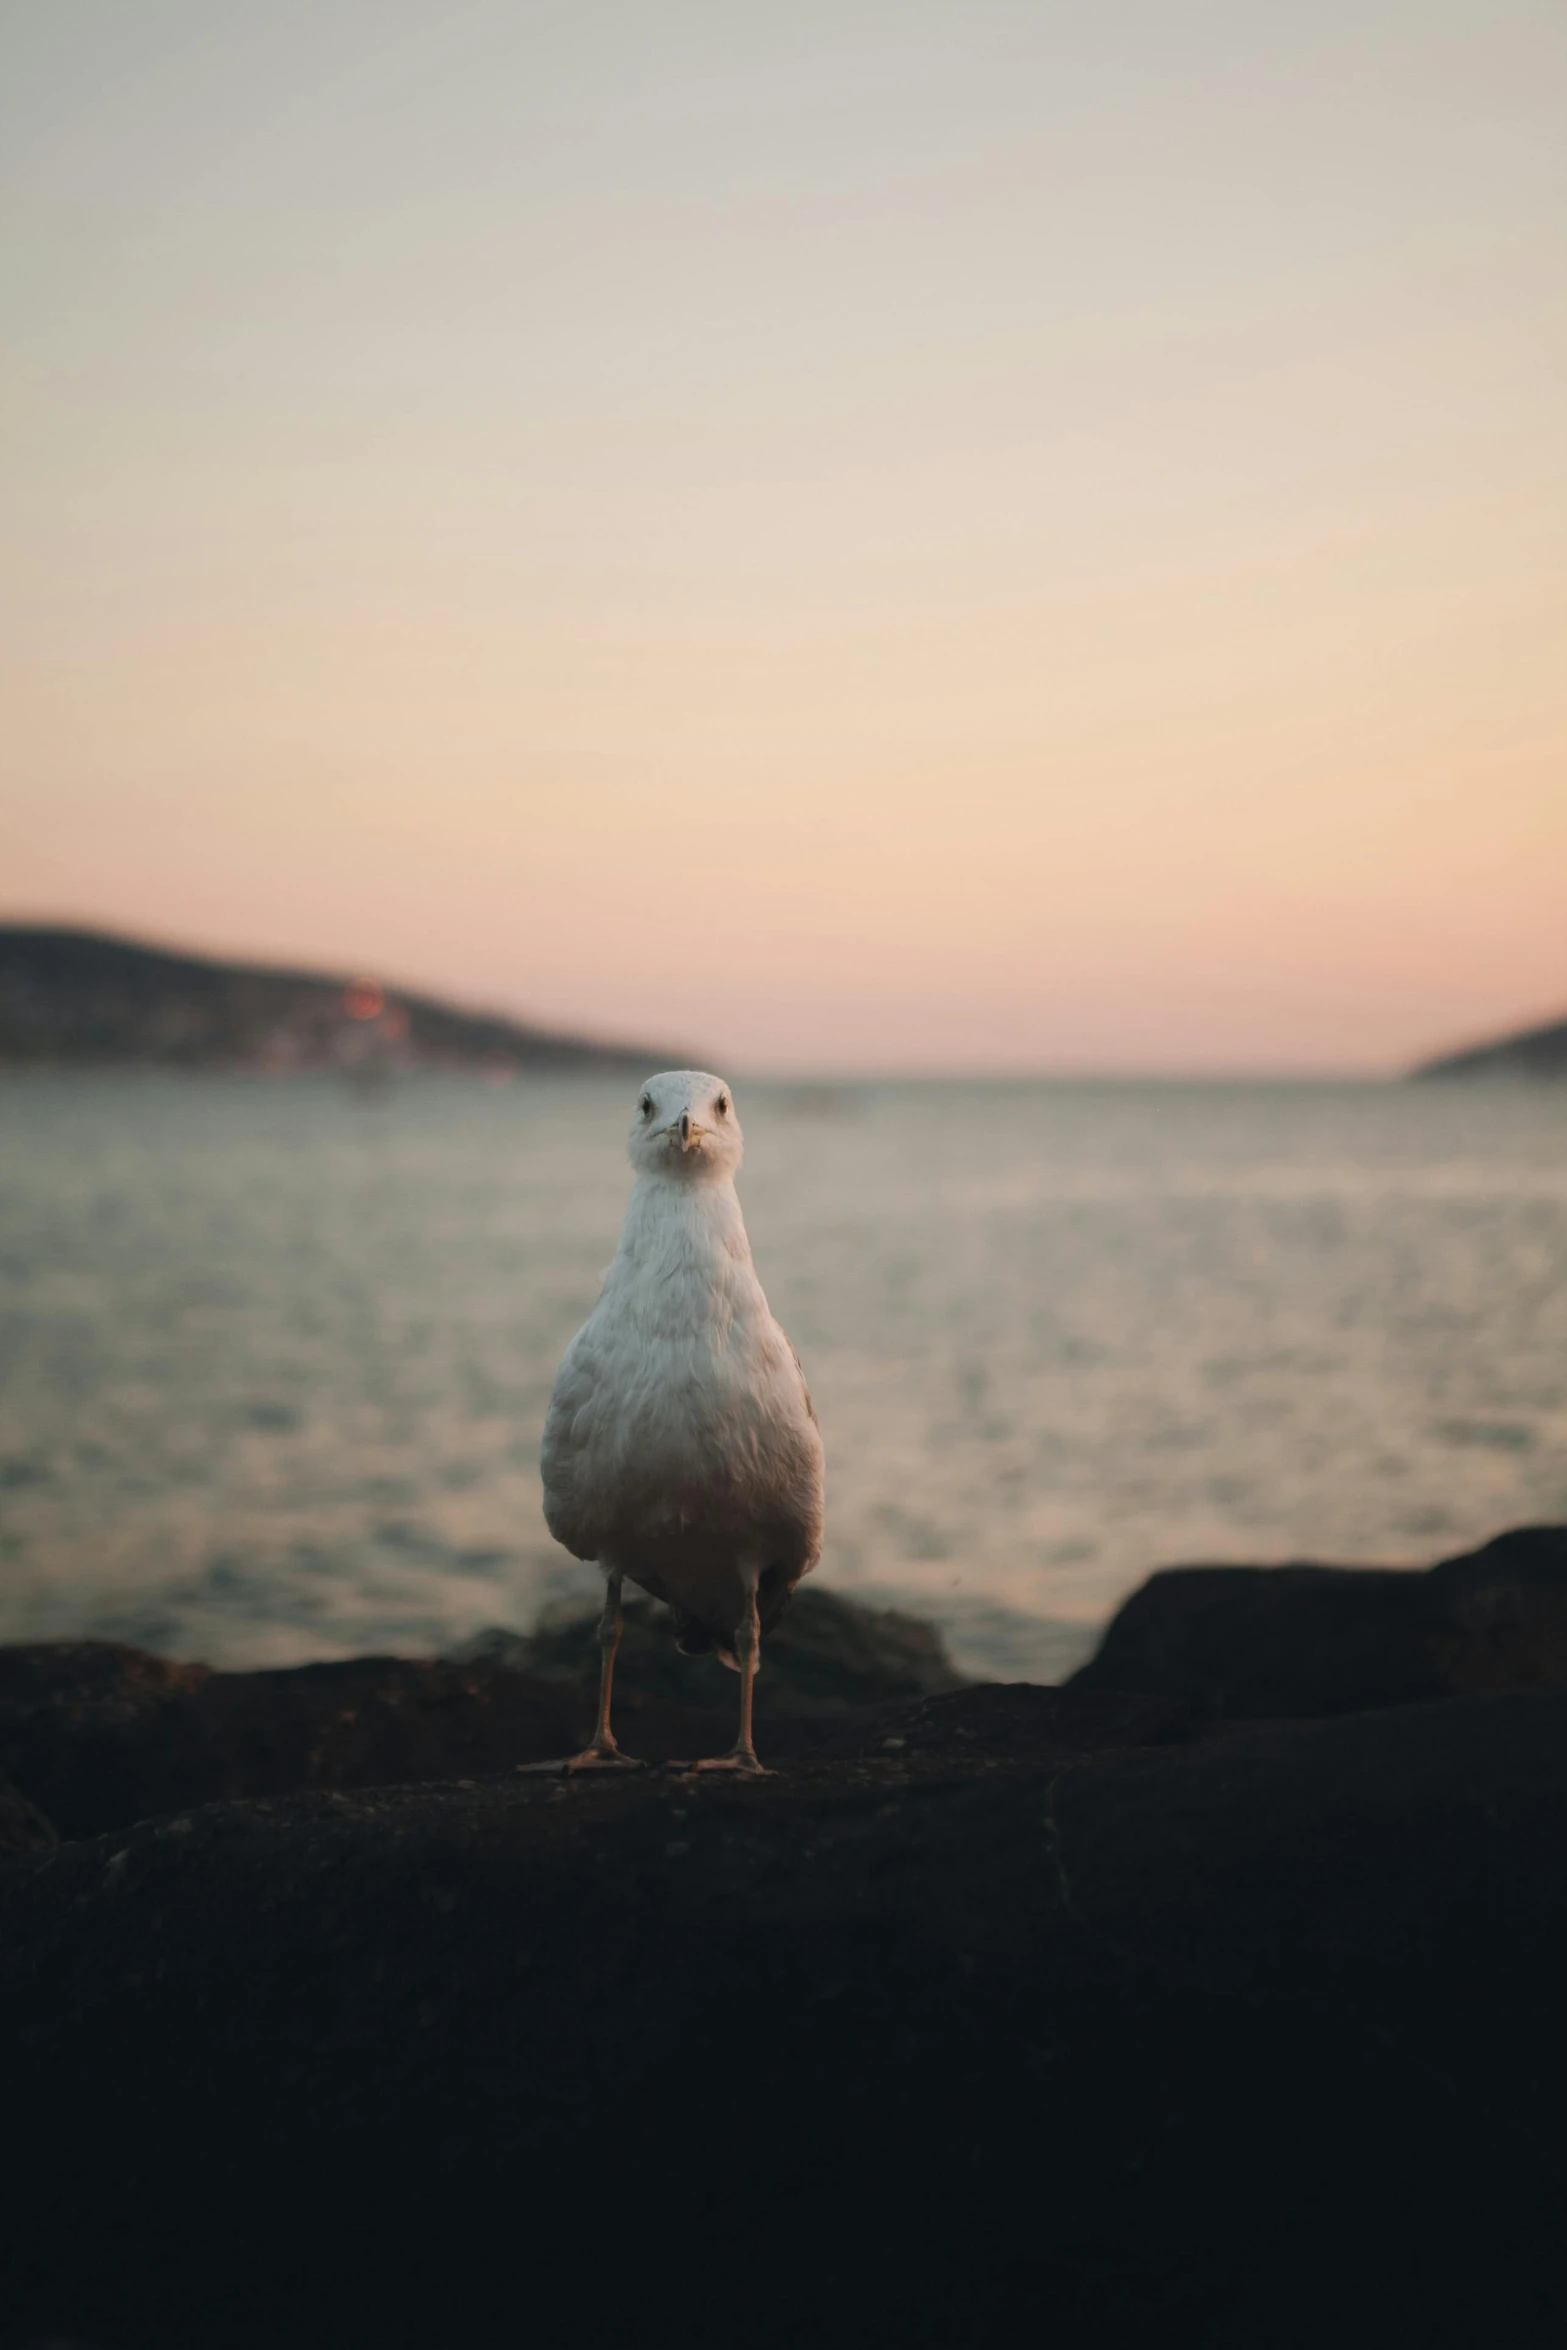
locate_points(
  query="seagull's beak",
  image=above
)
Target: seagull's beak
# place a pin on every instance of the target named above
(689, 1131)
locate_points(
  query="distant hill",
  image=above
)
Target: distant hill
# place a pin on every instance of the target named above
(1533, 1052)
(83, 998)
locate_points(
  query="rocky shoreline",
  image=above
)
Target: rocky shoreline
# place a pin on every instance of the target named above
(1213, 1998)
(79, 999)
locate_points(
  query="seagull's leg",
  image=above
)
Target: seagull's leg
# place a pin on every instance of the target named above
(741, 1757)
(603, 1754)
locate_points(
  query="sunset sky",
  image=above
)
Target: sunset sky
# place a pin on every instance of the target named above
(870, 535)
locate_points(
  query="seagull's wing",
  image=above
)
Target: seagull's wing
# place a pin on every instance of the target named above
(810, 1408)
(568, 1433)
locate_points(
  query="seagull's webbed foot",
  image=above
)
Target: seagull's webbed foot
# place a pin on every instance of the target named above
(604, 1755)
(592, 1758)
(740, 1764)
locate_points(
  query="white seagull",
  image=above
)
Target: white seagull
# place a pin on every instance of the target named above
(681, 1447)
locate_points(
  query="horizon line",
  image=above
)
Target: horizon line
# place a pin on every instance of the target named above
(786, 1072)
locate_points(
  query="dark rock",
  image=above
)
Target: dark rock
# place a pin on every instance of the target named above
(827, 1651)
(1000, 2015)
(1269, 1641)
(23, 1827)
(100, 1735)
(1007, 2016)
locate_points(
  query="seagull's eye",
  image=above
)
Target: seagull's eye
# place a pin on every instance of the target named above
(722, 1105)
(647, 1105)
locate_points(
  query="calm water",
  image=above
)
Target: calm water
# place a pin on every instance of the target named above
(274, 1359)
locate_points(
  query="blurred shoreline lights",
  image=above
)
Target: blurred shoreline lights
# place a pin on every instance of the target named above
(364, 999)
(367, 1050)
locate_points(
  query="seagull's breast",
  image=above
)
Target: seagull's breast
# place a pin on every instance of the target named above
(680, 1417)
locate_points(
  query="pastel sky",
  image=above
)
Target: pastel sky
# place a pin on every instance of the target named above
(992, 534)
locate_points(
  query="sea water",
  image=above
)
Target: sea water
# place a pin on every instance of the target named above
(275, 1356)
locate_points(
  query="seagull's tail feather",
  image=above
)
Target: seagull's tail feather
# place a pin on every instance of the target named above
(695, 1637)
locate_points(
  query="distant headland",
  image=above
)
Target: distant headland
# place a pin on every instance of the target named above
(83, 998)
(1531, 1052)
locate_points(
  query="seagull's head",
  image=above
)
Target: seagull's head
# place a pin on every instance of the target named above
(685, 1126)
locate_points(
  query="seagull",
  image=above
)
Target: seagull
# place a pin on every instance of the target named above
(681, 1446)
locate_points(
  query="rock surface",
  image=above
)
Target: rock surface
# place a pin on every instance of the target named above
(99, 1734)
(1000, 2016)
(1267, 1641)
(827, 1651)
(23, 1827)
